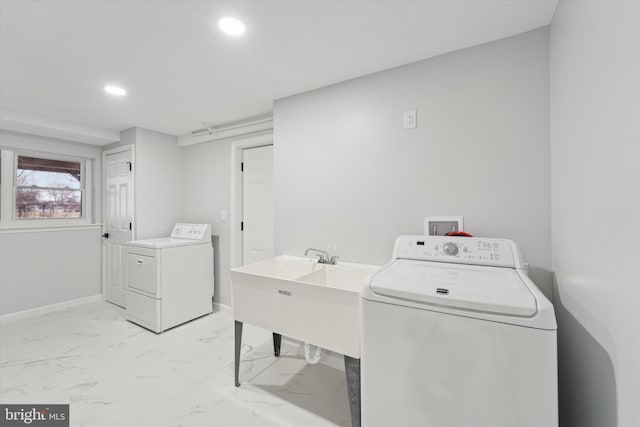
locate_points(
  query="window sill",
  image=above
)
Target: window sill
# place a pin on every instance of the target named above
(7, 229)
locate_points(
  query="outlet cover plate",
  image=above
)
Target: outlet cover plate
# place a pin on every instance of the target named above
(410, 120)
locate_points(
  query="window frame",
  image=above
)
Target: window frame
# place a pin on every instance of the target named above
(8, 190)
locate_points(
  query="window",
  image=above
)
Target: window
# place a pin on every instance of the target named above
(47, 188)
(44, 190)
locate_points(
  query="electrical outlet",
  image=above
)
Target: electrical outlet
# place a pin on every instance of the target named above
(440, 228)
(410, 119)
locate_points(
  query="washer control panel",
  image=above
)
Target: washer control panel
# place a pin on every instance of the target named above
(191, 231)
(461, 250)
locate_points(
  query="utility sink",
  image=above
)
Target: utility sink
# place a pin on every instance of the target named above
(280, 267)
(302, 299)
(344, 276)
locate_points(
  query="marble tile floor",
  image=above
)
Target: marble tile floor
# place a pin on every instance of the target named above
(115, 373)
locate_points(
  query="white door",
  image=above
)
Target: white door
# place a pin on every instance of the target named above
(118, 222)
(257, 204)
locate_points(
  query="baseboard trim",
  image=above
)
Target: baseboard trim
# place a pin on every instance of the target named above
(221, 307)
(38, 311)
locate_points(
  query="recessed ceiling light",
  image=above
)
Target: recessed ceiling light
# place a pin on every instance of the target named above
(115, 90)
(231, 26)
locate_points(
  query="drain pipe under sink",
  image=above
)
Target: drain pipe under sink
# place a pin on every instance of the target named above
(317, 353)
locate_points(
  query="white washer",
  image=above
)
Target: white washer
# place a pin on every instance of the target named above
(170, 280)
(454, 334)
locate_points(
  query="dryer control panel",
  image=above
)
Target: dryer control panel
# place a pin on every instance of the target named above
(459, 250)
(192, 231)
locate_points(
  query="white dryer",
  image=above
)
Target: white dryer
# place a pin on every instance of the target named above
(454, 334)
(170, 279)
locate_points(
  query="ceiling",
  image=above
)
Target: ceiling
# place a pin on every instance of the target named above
(182, 74)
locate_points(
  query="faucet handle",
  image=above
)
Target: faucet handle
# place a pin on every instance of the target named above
(321, 258)
(333, 259)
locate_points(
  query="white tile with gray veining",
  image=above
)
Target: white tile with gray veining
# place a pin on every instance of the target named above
(114, 373)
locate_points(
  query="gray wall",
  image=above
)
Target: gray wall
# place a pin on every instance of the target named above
(595, 148)
(39, 268)
(346, 173)
(43, 268)
(206, 191)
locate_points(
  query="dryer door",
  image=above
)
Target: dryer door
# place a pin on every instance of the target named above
(142, 274)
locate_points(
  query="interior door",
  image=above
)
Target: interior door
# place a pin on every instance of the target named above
(118, 190)
(257, 204)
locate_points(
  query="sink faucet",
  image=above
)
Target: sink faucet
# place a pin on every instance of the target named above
(323, 256)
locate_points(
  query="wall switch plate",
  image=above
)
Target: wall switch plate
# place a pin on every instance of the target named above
(441, 225)
(410, 120)
(223, 215)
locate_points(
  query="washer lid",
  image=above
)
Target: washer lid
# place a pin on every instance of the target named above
(468, 287)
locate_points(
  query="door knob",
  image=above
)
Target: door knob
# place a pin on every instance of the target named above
(105, 235)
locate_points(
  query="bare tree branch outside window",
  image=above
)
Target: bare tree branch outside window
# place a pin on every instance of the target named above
(47, 188)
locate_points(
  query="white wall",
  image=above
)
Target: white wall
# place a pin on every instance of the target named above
(595, 148)
(39, 268)
(205, 192)
(158, 183)
(347, 173)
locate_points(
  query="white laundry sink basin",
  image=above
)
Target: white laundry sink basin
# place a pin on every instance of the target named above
(281, 267)
(344, 276)
(302, 299)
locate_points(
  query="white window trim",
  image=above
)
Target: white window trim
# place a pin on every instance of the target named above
(5, 195)
(8, 219)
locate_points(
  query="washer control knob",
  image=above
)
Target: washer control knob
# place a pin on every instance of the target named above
(450, 248)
